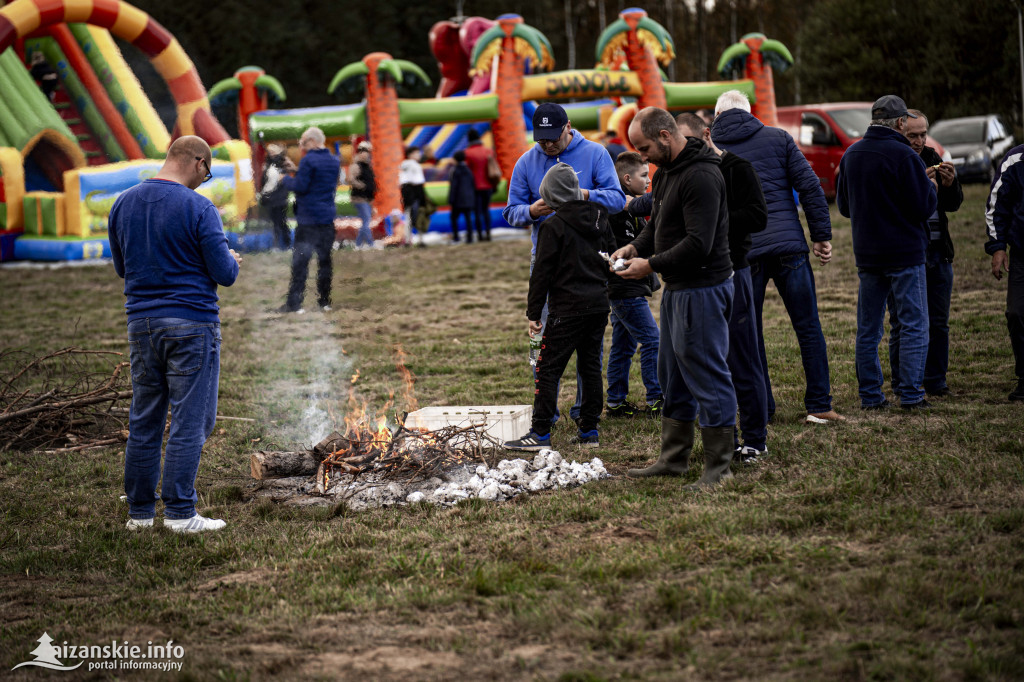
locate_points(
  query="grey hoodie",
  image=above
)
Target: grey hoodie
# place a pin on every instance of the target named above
(560, 186)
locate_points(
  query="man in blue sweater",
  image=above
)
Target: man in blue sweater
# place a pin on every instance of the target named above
(779, 252)
(314, 185)
(1004, 219)
(595, 170)
(885, 191)
(168, 244)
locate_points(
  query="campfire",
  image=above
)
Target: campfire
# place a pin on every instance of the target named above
(378, 459)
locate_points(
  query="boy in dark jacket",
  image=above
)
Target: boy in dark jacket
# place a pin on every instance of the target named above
(632, 321)
(572, 277)
(461, 195)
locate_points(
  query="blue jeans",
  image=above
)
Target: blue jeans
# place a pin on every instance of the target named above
(745, 364)
(632, 323)
(939, 284)
(176, 363)
(794, 280)
(908, 288)
(692, 363)
(365, 212)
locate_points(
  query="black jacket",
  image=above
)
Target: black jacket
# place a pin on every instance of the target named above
(626, 228)
(568, 272)
(950, 199)
(689, 229)
(748, 212)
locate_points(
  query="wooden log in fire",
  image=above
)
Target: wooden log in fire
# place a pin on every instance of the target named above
(273, 464)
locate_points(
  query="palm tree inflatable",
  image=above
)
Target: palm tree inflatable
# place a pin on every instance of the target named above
(251, 86)
(517, 48)
(380, 73)
(645, 43)
(756, 56)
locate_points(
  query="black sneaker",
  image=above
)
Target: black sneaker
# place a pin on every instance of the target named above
(1018, 393)
(654, 409)
(748, 456)
(919, 405)
(625, 410)
(884, 405)
(939, 392)
(586, 439)
(530, 441)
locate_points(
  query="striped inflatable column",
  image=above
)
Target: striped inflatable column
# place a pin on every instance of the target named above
(131, 24)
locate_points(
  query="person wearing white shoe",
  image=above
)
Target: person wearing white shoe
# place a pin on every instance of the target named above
(168, 243)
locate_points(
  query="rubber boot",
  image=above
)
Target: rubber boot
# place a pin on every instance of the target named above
(718, 450)
(676, 445)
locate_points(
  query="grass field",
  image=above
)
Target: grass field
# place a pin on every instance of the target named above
(890, 547)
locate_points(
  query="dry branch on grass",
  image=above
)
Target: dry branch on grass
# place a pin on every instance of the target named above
(60, 401)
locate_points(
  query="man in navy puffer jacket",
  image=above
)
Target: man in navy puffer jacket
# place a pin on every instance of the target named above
(779, 252)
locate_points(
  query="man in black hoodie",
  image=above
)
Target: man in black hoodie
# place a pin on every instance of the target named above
(688, 236)
(572, 277)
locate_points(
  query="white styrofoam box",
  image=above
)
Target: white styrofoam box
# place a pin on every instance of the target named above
(504, 422)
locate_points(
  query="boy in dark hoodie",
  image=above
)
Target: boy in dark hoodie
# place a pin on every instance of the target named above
(632, 321)
(461, 195)
(572, 277)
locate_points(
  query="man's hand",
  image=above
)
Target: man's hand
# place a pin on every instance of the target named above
(236, 256)
(627, 251)
(636, 268)
(586, 194)
(1000, 264)
(535, 327)
(823, 251)
(540, 208)
(947, 174)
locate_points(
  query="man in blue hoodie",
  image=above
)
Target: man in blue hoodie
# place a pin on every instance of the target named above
(885, 191)
(1004, 219)
(558, 142)
(168, 244)
(779, 252)
(314, 185)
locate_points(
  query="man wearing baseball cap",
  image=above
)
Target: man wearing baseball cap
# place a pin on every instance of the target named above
(556, 141)
(885, 191)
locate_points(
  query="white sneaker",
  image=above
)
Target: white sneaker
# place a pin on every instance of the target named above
(196, 524)
(137, 524)
(326, 308)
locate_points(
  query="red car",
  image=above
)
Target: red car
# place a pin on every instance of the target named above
(824, 131)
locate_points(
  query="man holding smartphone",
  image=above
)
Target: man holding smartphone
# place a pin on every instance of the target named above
(938, 265)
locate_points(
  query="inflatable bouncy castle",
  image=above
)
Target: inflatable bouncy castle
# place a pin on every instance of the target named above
(64, 159)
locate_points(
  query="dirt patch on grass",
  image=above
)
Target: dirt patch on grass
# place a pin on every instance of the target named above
(240, 578)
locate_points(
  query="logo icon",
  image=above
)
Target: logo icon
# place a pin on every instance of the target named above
(46, 656)
(544, 121)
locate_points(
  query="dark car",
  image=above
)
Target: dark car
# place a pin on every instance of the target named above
(976, 143)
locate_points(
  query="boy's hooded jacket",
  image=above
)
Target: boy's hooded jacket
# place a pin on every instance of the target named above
(568, 273)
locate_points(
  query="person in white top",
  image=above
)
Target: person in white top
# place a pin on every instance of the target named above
(411, 179)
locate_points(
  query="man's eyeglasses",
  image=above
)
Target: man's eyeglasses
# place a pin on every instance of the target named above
(209, 173)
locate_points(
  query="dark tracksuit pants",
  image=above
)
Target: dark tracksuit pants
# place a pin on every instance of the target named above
(563, 336)
(310, 239)
(1015, 307)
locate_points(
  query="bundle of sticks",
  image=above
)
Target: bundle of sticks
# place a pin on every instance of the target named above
(63, 400)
